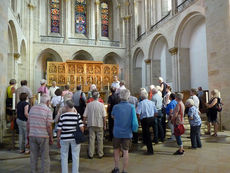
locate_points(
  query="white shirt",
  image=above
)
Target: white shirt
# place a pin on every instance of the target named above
(116, 84)
(57, 100)
(52, 91)
(119, 89)
(196, 101)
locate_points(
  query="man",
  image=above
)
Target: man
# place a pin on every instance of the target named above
(157, 100)
(146, 111)
(122, 87)
(163, 86)
(79, 104)
(39, 129)
(116, 83)
(96, 121)
(124, 119)
(52, 89)
(24, 89)
(112, 100)
(9, 99)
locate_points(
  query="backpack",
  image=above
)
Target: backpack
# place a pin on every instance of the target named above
(219, 105)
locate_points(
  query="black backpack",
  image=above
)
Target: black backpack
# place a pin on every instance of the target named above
(219, 105)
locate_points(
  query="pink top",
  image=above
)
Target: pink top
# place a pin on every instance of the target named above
(66, 92)
(43, 89)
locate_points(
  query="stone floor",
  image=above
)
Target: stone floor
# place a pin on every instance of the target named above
(212, 158)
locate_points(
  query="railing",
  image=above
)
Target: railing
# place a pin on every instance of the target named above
(184, 5)
(160, 21)
(140, 36)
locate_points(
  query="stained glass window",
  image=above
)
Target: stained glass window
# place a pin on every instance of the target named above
(55, 16)
(80, 16)
(104, 19)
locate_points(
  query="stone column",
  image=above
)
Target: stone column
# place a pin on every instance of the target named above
(174, 7)
(3, 63)
(175, 69)
(98, 22)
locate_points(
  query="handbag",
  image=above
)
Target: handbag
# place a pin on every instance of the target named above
(179, 129)
(78, 135)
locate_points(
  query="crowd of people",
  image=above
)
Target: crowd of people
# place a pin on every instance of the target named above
(59, 113)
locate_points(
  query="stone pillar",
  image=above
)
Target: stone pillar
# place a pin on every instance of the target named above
(3, 63)
(98, 21)
(175, 69)
(174, 7)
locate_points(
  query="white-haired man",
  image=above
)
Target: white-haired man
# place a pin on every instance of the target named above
(146, 110)
(116, 83)
(39, 130)
(52, 89)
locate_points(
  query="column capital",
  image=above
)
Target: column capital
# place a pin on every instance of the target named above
(173, 51)
(127, 17)
(97, 2)
(16, 55)
(148, 61)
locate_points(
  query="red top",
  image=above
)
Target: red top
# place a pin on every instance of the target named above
(91, 99)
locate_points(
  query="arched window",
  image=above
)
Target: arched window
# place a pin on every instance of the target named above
(104, 19)
(55, 16)
(80, 16)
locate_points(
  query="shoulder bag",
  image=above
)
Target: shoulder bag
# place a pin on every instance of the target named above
(179, 129)
(78, 135)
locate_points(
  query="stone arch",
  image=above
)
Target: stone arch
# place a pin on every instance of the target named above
(161, 59)
(41, 64)
(192, 52)
(14, 36)
(82, 55)
(138, 80)
(113, 58)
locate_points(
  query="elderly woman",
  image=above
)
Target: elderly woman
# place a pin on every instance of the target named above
(43, 89)
(177, 119)
(195, 123)
(212, 112)
(66, 126)
(92, 87)
(146, 111)
(124, 115)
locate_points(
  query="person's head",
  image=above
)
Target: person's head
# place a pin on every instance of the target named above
(66, 87)
(154, 91)
(23, 82)
(93, 87)
(43, 82)
(78, 87)
(69, 104)
(12, 82)
(115, 78)
(158, 88)
(193, 92)
(200, 88)
(112, 89)
(45, 99)
(172, 96)
(144, 95)
(189, 103)
(160, 79)
(23, 97)
(67, 97)
(179, 97)
(95, 94)
(58, 92)
(168, 88)
(122, 83)
(53, 83)
(151, 87)
(215, 93)
(142, 89)
(124, 94)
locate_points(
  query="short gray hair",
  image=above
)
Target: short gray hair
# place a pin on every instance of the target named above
(161, 79)
(144, 94)
(95, 94)
(124, 94)
(44, 98)
(189, 102)
(122, 82)
(179, 96)
(69, 103)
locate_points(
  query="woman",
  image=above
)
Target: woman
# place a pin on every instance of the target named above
(212, 112)
(195, 123)
(66, 126)
(67, 91)
(43, 89)
(177, 119)
(166, 101)
(57, 102)
(22, 116)
(92, 87)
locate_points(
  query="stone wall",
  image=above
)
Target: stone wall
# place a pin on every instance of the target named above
(3, 62)
(218, 44)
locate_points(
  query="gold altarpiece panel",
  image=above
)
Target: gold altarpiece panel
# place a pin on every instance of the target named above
(83, 73)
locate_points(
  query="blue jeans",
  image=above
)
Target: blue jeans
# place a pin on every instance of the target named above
(179, 141)
(75, 155)
(158, 130)
(22, 134)
(195, 136)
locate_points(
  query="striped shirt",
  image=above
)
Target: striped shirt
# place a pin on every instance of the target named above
(67, 124)
(39, 116)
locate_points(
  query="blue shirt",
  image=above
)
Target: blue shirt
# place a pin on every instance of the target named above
(157, 100)
(146, 109)
(123, 113)
(171, 106)
(193, 112)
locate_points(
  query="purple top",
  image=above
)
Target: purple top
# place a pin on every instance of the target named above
(43, 89)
